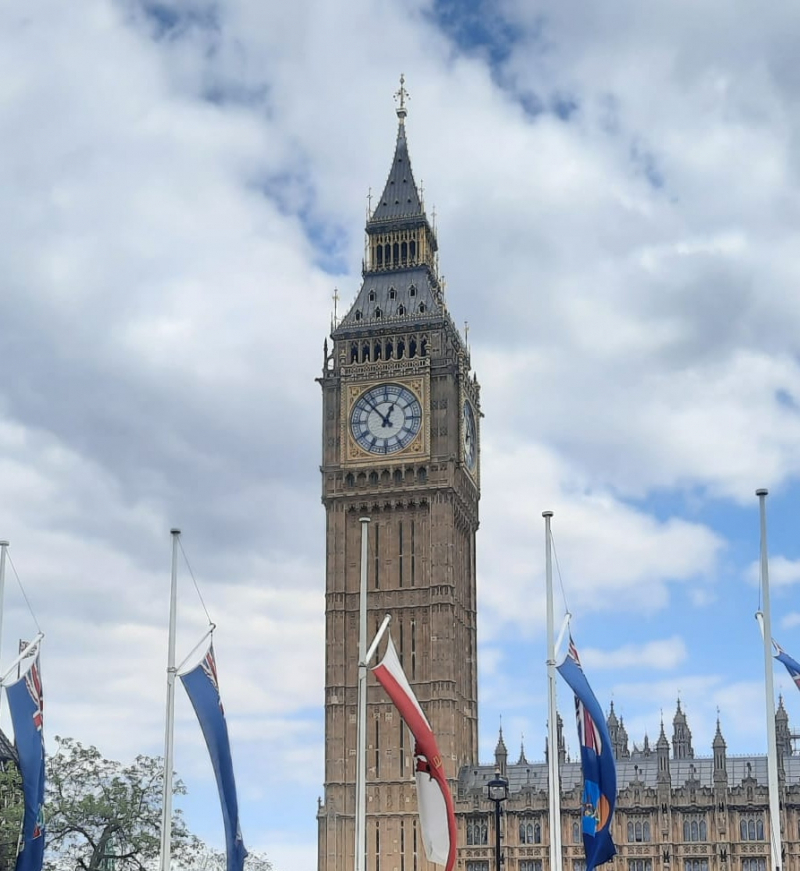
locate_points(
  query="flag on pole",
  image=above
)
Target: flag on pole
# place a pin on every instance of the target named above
(792, 666)
(202, 687)
(436, 812)
(26, 705)
(597, 764)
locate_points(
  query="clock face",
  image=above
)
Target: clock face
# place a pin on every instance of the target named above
(386, 418)
(469, 436)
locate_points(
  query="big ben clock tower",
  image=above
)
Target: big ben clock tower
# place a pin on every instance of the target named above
(400, 444)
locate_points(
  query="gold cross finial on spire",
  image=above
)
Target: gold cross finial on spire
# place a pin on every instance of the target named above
(402, 94)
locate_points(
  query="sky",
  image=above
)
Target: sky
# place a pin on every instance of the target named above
(184, 186)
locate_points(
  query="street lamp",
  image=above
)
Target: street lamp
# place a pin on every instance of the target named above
(497, 790)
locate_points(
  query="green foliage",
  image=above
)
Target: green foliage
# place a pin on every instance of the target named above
(104, 816)
(205, 858)
(12, 809)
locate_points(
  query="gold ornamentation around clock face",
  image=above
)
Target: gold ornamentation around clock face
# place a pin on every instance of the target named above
(385, 419)
(469, 436)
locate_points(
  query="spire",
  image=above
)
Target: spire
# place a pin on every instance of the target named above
(662, 753)
(720, 758)
(522, 759)
(501, 754)
(681, 736)
(783, 735)
(401, 198)
(401, 272)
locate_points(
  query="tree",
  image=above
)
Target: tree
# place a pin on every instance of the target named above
(12, 808)
(104, 816)
(207, 858)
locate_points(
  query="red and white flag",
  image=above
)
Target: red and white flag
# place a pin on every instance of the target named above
(436, 812)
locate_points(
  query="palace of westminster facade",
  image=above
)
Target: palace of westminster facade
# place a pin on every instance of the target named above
(401, 446)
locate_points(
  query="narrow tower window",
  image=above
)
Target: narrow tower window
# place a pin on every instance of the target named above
(378, 313)
(412, 291)
(401, 309)
(392, 293)
(372, 296)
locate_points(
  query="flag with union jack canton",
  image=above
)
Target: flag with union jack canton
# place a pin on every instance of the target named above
(27, 716)
(597, 764)
(202, 687)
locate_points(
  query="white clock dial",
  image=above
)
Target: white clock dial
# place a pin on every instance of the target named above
(386, 419)
(469, 436)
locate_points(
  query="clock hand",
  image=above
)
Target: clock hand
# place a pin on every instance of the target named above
(387, 421)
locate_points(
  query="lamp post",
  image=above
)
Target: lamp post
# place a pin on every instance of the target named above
(497, 790)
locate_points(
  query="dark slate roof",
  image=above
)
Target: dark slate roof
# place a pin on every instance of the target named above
(643, 769)
(400, 197)
(402, 281)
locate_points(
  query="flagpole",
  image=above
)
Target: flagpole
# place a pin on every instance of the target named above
(361, 751)
(166, 806)
(3, 547)
(772, 748)
(553, 784)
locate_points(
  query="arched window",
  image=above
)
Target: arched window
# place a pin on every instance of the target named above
(646, 831)
(389, 349)
(695, 835)
(378, 313)
(751, 830)
(358, 314)
(412, 249)
(576, 833)
(412, 348)
(412, 291)
(398, 476)
(423, 348)
(395, 254)
(404, 253)
(401, 309)
(477, 831)
(760, 830)
(372, 296)
(354, 352)
(630, 832)
(365, 353)
(392, 293)
(703, 831)
(421, 307)
(401, 349)
(379, 253)
(350, 480)
(377, 351)
(537, 829)
(373, 478)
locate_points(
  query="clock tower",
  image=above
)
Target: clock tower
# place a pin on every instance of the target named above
(400, 444)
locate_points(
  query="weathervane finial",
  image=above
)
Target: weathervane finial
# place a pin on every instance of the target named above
(402, 94)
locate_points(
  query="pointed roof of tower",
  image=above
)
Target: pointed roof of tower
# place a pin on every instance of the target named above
(781, 712)
(400, 198)
(522, 760)
(501, 745)
(679, 717)
(612, 717)
(662, 742)
(718, 741)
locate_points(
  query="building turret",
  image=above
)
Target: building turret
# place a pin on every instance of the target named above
(783, 737)
(624, 752)
(720, 758)
(522, 759)
(681, 736)
(662, 754)
(501, 755)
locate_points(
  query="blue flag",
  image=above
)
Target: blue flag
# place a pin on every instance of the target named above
(203, 691)
(25, 704)
(792, 666)
(597, 763)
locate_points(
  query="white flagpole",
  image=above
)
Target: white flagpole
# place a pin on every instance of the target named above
(553, 781)
(361, 751)
(772, 748)
(3, 547)
(166, 807)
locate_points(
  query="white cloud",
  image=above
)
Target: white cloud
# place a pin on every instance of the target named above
(663, 655)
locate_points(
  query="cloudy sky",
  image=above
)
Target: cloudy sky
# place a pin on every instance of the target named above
(184, 184)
